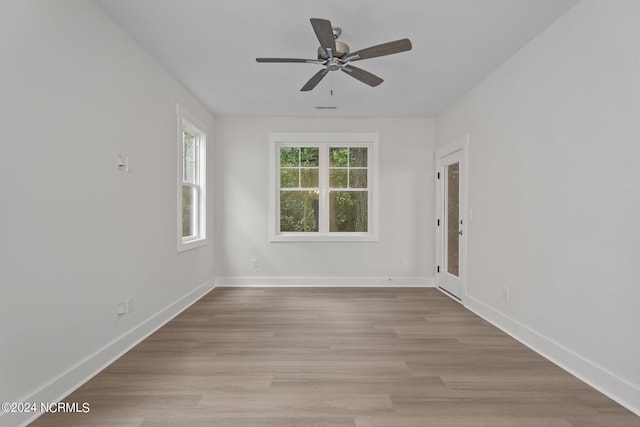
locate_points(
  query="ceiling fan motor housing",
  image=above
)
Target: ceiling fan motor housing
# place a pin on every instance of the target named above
(341, 51)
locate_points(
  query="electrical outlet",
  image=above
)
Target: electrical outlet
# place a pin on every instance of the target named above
(505, 293)
(255, 263)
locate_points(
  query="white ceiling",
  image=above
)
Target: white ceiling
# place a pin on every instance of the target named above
(211, 45)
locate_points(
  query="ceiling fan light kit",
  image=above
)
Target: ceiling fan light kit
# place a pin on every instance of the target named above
(334, 55)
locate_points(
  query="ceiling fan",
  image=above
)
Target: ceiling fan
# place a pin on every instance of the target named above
(334, 55)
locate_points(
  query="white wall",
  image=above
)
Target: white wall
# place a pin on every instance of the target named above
(554, 188)
(76, 235)
(406, 206)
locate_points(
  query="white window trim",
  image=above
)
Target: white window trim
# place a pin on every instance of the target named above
(188, 121)
(369, 139)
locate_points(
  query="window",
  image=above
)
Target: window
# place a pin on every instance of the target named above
(324, 187)
(192, 213)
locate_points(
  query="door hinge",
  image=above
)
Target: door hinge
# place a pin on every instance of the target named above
(438, 270)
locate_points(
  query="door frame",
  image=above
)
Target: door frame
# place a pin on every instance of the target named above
(462, 145)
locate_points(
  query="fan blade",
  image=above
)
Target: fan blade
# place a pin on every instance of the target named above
(313, 81)
(380, 50)
(324, 33)
(362, 75)
(309, 61)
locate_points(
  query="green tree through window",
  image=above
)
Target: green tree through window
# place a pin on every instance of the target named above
(346, 172)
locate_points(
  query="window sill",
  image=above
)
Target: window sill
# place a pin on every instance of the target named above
(191, 244)
(318, 238)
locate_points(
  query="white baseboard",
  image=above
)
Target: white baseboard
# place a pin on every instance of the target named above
(327, 281)
(65, 383)
(606, 382)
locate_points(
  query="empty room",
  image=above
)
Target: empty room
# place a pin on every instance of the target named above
(356, 213)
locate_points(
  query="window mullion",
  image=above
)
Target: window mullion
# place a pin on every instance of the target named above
(323, 181)
(370, 184)
(196, 159)
(196, 212)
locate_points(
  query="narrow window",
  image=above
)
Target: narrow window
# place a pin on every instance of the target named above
(191, 182)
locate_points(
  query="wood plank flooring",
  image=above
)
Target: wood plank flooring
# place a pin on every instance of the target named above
(339, 357)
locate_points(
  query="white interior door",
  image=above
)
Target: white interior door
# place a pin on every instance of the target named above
(451, 219)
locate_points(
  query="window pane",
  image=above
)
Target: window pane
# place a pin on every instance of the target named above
(309, 178)
(358, 157)
(348, 211)
(338, 178)
(338, 157)
(358, 178)
(453, 216)
(189, 157)
(189, 211)
(309, 156)
(289, 178)
(299, 211)
(289, 156)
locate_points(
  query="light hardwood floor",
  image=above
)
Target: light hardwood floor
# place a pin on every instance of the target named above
(284, 357)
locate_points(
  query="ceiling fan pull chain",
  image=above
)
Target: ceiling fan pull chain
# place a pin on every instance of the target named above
(331, 81)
